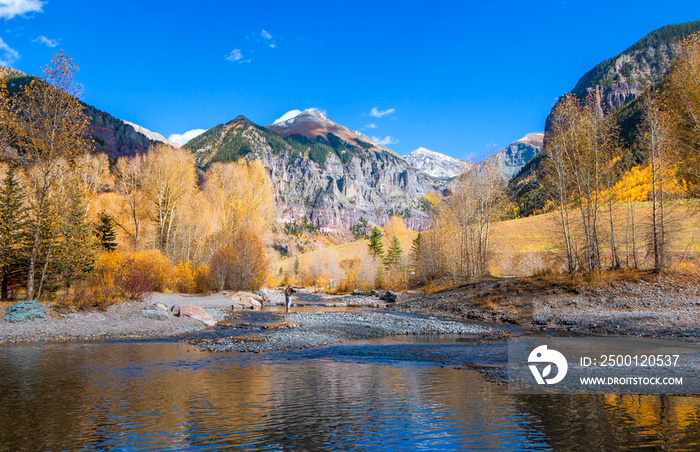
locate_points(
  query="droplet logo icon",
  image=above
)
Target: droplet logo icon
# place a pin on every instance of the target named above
(543, 355)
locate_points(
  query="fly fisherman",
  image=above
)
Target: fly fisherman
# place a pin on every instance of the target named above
(288, 297)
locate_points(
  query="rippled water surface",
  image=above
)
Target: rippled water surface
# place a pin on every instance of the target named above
(386, 395)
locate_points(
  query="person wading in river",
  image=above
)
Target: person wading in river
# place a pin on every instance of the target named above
(288, 297)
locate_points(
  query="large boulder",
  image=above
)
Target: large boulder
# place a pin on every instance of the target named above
(24, 311)
(392, 297)
(197, 313)
(154, 314)
(157, 307)
(247, 302)
(255, 296)
(261, 294)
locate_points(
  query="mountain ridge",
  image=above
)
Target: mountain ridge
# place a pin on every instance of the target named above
(332, 179)
(435, 164)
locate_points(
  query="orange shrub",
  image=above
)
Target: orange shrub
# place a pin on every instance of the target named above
(202, 279)
(153, 267)
(109, 266)
(185, 277)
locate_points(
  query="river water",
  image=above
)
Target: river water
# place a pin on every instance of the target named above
(392, 394)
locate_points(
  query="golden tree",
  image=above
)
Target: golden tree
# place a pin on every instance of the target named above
(169, 179)
(52, 131)
(657, 137)
(130, 176)
(242, 201)
(684, 105)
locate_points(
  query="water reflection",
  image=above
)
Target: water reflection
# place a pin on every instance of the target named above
(167, 396)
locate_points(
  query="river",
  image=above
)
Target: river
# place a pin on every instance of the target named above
(391, 394)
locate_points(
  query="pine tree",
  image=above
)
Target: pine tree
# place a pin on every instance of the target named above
(394, 255)
(12, 230)
(296, 266)
(105, 232)
(376, 249)
(416, 252)
(76, 250)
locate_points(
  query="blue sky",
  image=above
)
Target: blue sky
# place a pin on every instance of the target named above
(454, 77)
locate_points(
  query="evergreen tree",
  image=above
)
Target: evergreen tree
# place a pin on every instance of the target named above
(394, 255)
(105, 232)
(76, 250)
(12, 230)
(360, 230)
(296, 266)
(376, 249)
(416, 252)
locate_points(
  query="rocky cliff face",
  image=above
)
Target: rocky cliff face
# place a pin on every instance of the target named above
(435, 164)
(514, 157)
(624, 77)
(331, 180)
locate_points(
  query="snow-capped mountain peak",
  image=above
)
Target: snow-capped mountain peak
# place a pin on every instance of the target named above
(293, 116)
(435, 164)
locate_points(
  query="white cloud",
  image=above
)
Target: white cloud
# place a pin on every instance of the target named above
(289, 115)
(385, 141)
(12, 8)
(8, 55)
(376, 113)
(185, 137)
(269, 39)
(371, 125)
(235, 55)
(46, 41)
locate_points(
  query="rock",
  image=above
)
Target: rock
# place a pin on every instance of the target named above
(390, 296)
(154, 314)
(175, 309)
(24, 311)
(242, 295)
(236, 306)
(197, 313)
(270, 304)
(248, 302)
(157, 307)
(262, 295)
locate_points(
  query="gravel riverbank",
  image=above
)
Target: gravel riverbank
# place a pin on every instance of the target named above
(121, 320)
(652, 307)
(310, 329)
